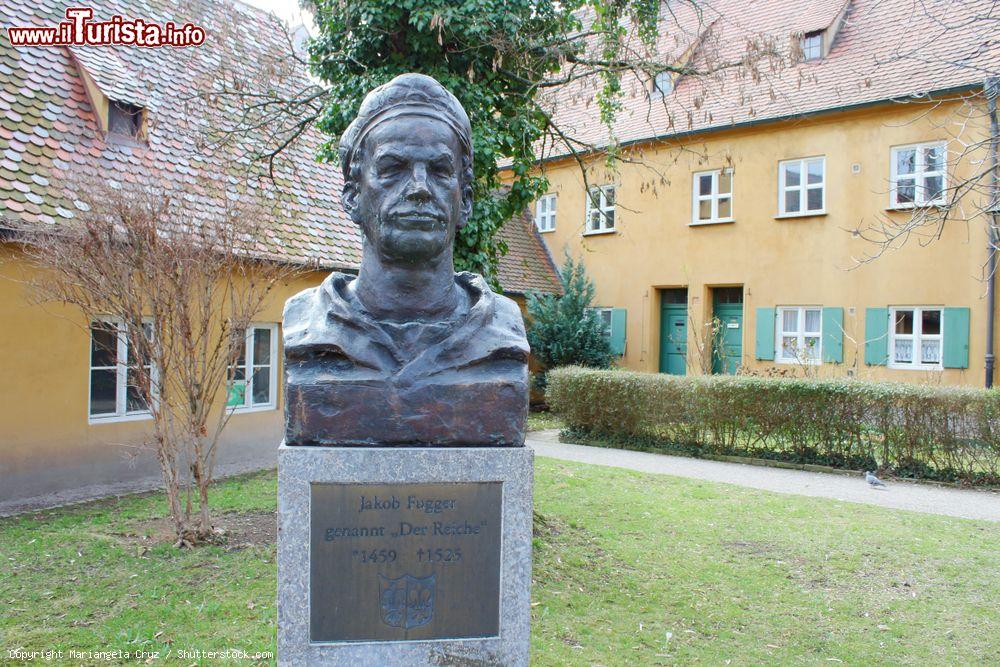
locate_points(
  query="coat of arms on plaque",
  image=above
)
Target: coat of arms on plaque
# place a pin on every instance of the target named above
(406, 602)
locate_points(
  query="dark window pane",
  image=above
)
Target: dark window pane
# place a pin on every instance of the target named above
(792, 175)
(136, 390)
(262, 386)
(905, 190)
(261, 346)
(609, 219)
(814, 199)
(726, 183)
(815, 171)
(930, 322)
(728, 294)
(705, 209)
(904, 321)
(705, 184)
(791, 201)
(906, 161)
(102, 392)
(237, 394)
(103, 344)
(609, 196)
(124, 119)
(675, 296)
(725, 208)
(933, 187)
(933, 158)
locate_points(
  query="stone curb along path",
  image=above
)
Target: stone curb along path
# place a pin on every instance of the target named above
(963, 503)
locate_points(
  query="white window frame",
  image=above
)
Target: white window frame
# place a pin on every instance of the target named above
(660, 77)
(249, 363)
(545, 213)
(917, 337)
(606, 317)
(815, 357)
(601, 194)
(121, 413)
(818, 46)
(714, 196)
(802, 188)
(920, 173)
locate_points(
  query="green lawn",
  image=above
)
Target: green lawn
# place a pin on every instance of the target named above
(539, 421)
(629, 569)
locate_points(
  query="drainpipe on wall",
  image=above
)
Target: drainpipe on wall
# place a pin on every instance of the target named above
(991, 88)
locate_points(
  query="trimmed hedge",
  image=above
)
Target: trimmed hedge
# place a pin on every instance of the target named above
(942, 433)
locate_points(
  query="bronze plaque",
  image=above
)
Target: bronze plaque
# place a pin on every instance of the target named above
(404, 561)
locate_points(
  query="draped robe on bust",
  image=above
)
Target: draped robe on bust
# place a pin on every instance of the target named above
(354, 380)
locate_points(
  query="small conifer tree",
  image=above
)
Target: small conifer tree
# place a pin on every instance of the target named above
(562, 330)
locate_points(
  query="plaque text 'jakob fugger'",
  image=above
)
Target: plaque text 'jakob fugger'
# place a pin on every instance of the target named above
(405, 561)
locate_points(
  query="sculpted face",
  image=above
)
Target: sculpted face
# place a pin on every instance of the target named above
(408, 193)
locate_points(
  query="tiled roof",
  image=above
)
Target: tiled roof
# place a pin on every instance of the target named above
(527, 266)
(885, 49)
(49, 125)
(48, 128)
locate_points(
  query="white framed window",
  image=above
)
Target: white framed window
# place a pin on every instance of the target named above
(917, 175)
(604, 315)
(799, 335)
(253, 381)
(545, 213)
(812, 45)
(802, 186)
(712, 199)
(601, 210)
(663, 84)
(916, 337)
(119, 381)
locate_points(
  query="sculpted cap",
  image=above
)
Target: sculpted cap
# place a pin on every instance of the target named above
(407, 95)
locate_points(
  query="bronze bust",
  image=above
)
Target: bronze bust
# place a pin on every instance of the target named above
(408, 352)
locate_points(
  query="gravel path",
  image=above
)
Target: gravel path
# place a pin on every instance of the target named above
(927, 498)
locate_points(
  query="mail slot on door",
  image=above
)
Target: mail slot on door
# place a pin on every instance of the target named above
(732, 325)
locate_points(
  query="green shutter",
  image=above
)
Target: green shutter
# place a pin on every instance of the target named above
(833, 335)
(765, 334)
(618, 331)
(876, 336)
(956, 338)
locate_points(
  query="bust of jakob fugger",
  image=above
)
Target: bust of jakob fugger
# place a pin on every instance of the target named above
(407, 352)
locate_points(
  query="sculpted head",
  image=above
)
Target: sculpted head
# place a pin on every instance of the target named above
(407, 163)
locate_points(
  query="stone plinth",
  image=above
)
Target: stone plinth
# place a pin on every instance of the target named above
(404, 556)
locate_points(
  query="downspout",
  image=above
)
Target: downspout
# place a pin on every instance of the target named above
(991, 88)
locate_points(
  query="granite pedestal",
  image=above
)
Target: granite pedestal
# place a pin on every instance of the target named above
(404, 555)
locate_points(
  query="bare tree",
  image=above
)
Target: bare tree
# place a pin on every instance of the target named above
(181, 289)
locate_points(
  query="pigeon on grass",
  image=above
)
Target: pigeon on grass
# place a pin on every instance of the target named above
(873, 480)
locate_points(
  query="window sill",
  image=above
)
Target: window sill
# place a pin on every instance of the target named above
(600, 232)
(796, 362)
(915, 367)
(901, 208)
(807, 214)
(545, 231)
(94, 420)
(239, 410)
(702, 223)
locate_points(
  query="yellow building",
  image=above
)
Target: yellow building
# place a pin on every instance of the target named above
(728, 239)
(70, 427)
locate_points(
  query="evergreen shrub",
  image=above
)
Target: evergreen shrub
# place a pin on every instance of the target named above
(942, 433)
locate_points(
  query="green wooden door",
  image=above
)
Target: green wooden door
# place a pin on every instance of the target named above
(727, 347)
(673, 331)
